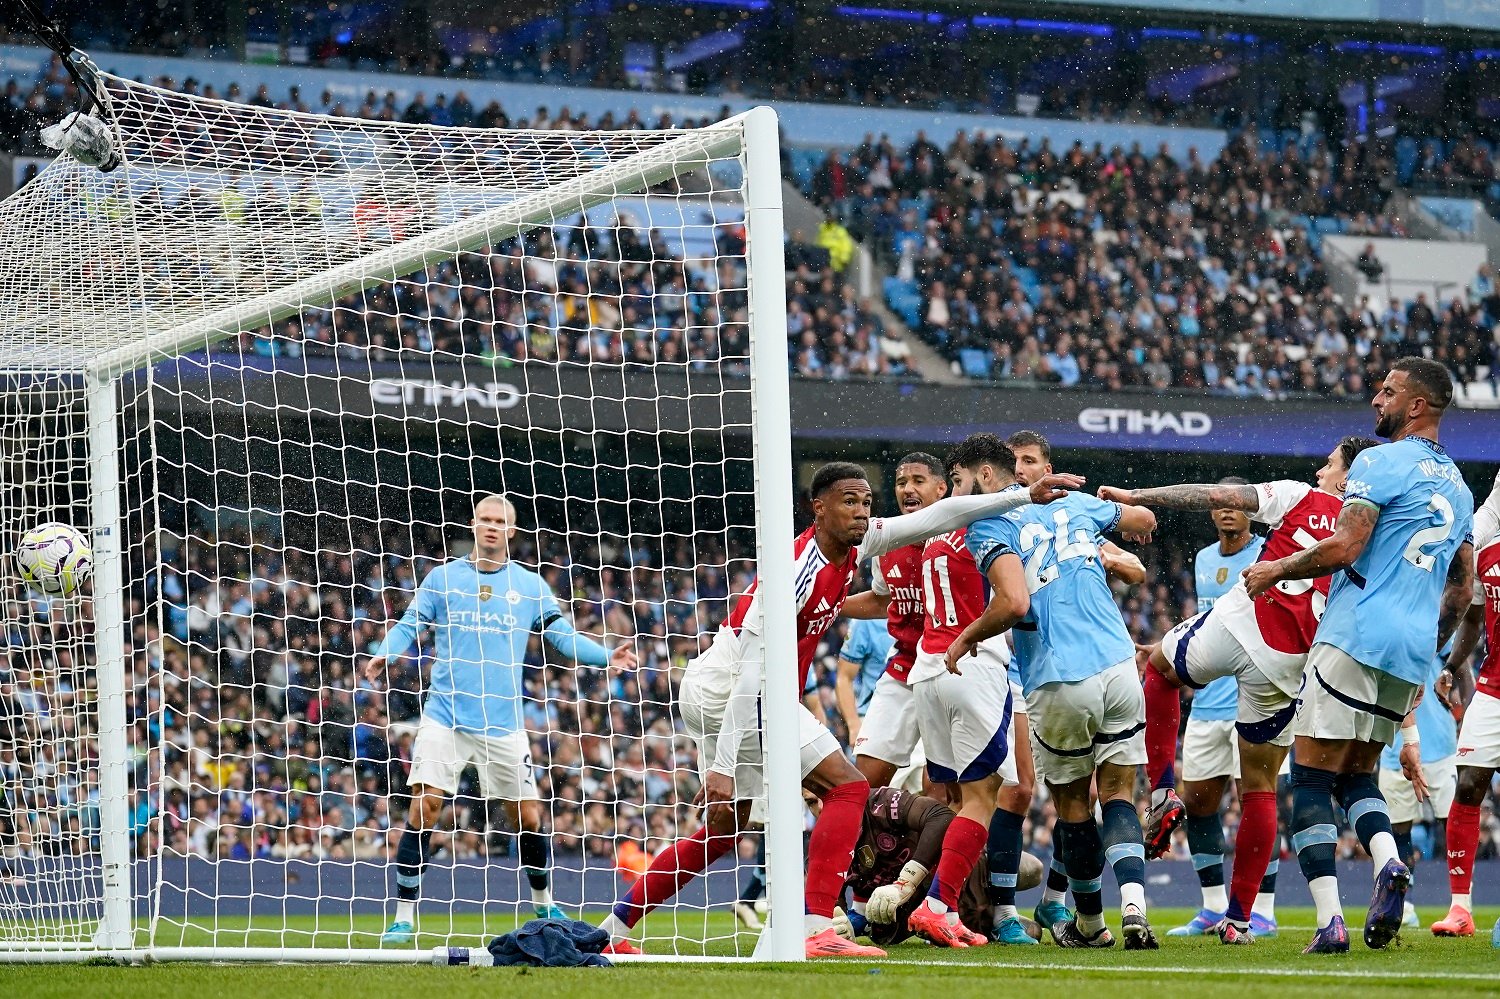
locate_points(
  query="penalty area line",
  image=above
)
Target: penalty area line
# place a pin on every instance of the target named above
(1237, 971)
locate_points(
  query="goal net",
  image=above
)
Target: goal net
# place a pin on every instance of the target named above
(269, 365)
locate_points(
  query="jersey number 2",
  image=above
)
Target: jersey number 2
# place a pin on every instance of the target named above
(1442, 512)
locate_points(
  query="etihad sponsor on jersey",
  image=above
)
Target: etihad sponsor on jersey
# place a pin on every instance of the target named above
(1101, 420)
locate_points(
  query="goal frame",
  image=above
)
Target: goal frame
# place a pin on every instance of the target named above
(753, 137)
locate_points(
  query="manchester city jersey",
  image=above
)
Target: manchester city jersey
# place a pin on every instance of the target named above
(481, 623)
(1383, 610)
(1073, 629)
(1215, 575)
(868, 646)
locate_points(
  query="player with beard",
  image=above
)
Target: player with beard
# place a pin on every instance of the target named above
(1033, 460)
(887, 741)
(1403, 557)
(720, 701)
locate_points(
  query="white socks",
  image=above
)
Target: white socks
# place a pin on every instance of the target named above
(813, 925)
(541, 897)
(616, 928)
(1215, 898)
(1383, 850)
(1464, 902)
(1265, 905)
(1325, 893)
(1134, 894)
(406, 911)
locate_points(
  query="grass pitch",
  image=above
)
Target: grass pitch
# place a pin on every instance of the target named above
(1416, 964)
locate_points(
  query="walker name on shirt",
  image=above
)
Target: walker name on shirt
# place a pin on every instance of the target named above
(1440, 470)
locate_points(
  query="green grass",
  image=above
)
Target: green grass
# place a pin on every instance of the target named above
(1272, 969)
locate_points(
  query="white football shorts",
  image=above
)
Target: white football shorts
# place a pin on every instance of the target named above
(965, 720)
(1079, 725)
(1347, 700)
(889, 729)
(1210, 749)
(702, 699)
(1401, 798)
(1202, 649)
(1479, 739)
(439, 755)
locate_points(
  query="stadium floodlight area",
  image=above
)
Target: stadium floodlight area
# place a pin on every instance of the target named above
(190, 768)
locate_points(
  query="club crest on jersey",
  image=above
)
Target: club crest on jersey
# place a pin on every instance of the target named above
(486, 591)
(1221, 575)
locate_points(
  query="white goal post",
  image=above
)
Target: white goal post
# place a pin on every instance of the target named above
(269, 364)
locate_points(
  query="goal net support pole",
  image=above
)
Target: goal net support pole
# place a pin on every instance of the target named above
(753, 138)
(115, 926)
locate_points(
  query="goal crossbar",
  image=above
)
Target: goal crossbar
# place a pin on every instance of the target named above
(638, 171)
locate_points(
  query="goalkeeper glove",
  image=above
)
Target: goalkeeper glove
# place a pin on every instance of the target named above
(848, 924)
(887, 900)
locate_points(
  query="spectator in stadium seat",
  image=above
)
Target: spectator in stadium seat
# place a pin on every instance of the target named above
(1369, 264)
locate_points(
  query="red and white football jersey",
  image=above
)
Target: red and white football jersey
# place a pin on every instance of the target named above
(954, 591)
(1487, 588)
(819, 591)
(1286, 616)
(898, 574)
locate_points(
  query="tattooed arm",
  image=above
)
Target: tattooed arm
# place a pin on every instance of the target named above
(1332, 554)
(1457, 593)
(1201, 496)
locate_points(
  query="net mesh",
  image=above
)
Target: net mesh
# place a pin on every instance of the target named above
(365, 328)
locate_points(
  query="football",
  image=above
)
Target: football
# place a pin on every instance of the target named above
(55, 559)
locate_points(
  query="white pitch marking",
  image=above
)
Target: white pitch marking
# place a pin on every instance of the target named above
(1148, 970)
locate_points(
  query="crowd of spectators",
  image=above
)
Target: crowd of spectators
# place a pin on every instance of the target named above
(1115, 269)
(621, 292)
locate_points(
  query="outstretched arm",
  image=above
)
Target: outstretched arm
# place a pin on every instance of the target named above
(1194, 496)
(867, 606)
(1333, 554)
(953, 512)
(580, 648)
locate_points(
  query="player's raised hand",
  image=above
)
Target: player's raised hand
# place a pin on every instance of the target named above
(1115, 494)
(1055, 486)
(1260, 577)
(374, 669)
(623, 657)
(1411, 769)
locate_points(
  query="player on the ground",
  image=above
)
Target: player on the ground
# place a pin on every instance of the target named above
(720, 703)
(1478, 753)
(1427, 748)
(964, 719)
(1079, 677)
(1034, 459)
(1262, 644)
(887, 740)
(899, 847)
(1404, 556)
(482, 610)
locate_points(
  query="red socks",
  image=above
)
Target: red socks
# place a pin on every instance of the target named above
(1463, 844)
(963, 845)
(1163, 718)
(674, 867)
(1253, 846)
(831, 846)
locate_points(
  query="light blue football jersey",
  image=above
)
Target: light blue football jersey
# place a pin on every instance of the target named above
(481, 623)
(1435, 726)
(1383, 610)
(1073, 629)
(868, 646)
(1213, 576)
